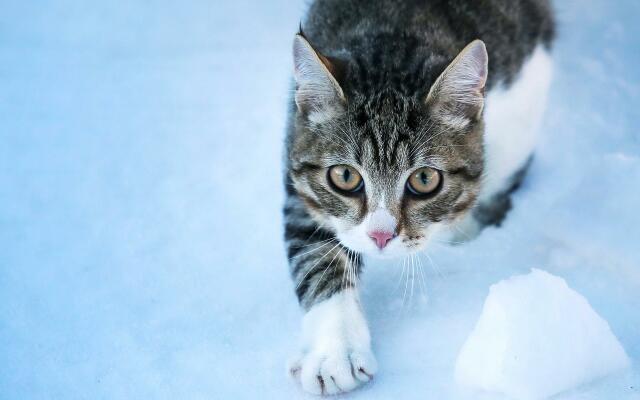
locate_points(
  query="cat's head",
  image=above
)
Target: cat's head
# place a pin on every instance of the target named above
(385, 169)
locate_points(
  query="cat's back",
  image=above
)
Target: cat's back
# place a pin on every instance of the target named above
(434, 31)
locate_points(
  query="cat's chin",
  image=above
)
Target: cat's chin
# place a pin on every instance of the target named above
(382, 255)
(393, 255)
(388, 253)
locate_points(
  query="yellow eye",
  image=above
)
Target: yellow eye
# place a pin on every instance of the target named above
(424, 181)
(345, 178)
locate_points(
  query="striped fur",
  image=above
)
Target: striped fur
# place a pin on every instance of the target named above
(320, 265)
(371, 93)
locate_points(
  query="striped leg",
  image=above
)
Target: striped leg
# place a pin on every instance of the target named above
(336, 354)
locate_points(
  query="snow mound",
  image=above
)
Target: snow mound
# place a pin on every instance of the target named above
(537, 337)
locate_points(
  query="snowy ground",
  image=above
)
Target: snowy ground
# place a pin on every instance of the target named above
(140, 191)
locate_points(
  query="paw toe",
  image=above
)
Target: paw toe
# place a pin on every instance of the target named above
(323, 374)
(364, 365)
(310, 378)
(338, 371)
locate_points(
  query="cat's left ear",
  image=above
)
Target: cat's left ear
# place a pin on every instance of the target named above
(317, 90)
(457, 96)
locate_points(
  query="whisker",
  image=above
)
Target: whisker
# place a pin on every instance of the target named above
(313, 250)
(434, 266)
(349, 269)
(324, 272)
(344, 271)
(413, 278)
(321, 225)
(302, 246)
(314, 265)
(424, 145)
(465, 234)
(406, 286)
(315, 243)
(404, 260)
(444, 242)
(354, 271)
(422, 279)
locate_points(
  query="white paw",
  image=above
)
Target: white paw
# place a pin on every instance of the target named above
(333, 372)
(337, 356)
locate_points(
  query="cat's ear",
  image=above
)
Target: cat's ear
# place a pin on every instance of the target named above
(317, 90)
(457, 96)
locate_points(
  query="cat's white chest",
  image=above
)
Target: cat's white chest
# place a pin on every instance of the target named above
(512, 120)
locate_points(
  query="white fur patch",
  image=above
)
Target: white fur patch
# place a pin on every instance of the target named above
(357, 238)
(336, 355)
(381, 220)
(454, 121)
(323, 114)
(512, 120)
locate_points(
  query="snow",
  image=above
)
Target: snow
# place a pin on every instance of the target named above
(140, 197)
(537, 337)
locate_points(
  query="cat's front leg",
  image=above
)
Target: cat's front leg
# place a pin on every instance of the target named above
(336, 345)
(336, 355)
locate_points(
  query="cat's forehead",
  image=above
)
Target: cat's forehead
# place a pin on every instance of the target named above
(385, 153)
(386, 134)
(391, 132)
(388, 106)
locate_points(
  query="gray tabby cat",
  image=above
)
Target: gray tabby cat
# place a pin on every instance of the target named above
(410, 119)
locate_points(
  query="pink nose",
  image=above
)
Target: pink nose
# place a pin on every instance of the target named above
(381, 238)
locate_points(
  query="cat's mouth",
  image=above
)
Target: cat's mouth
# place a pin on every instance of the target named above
(382, 245)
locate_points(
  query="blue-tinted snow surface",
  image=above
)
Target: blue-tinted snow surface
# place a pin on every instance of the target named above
(140, 192)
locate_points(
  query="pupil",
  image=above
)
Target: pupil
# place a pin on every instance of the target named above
(347, 175)
(423, 178)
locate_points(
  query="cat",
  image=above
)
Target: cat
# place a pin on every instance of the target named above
(410, 119)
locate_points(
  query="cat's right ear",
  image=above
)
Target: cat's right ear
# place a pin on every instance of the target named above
(317, 90)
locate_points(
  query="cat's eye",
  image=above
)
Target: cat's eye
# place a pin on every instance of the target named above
(424, 181)
(345, 178)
